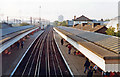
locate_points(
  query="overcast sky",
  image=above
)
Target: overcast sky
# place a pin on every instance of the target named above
(51, 9)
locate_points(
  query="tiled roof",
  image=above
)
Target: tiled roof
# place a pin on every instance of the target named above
(89, 27)
(96, 28)
(82, 18)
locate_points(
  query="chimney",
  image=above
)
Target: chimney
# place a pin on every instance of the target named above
(92, 25)
(101, 19)
(74, 17)
(74, 21)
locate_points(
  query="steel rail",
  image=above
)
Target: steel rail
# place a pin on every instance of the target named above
(42, 59)
(48, 54)
(34, 56)
(52, 58)
(24, 56)
(40, 49)
(39, 65)
(46, 63)
(56, 57)
(39, 58)
(30, 57)
(36, 47)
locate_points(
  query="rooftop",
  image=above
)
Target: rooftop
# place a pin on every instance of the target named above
(9, 30)
(82, 18)
(111, 43)
(90, 28)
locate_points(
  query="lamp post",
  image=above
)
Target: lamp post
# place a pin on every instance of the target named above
(40, 16)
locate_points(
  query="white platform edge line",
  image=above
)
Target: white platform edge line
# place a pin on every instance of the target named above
(24, 55)
(63, 58)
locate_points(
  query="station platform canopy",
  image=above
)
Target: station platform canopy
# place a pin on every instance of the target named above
(103, 49)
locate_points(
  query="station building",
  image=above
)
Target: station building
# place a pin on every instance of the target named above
(87, 24)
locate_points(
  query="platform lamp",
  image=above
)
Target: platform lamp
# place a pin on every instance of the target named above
(40, 15)
(7, 19)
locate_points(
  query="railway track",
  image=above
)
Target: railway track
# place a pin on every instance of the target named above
(42, 59)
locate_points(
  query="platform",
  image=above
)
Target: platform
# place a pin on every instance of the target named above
(15, 38)
(10, 61)
(104, 58)
(9, 33)
(9, 30)
(75, 62)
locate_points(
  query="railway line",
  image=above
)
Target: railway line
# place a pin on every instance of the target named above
(42, 59)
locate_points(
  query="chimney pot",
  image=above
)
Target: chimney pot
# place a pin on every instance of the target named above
(74, 17)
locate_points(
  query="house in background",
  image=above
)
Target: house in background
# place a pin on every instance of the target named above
(69, 23)
(87, 24)
(82, 20)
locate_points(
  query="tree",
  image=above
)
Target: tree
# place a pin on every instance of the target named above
(117, 34)
(117, 26)
(56, 23)
(110, 31)
(64, 23)
(107, 19)
(24, 24)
